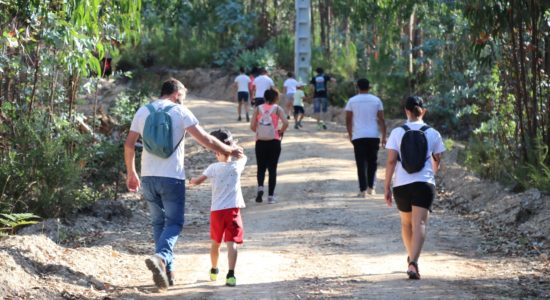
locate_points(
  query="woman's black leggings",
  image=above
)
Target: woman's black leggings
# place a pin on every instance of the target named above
(267, 158)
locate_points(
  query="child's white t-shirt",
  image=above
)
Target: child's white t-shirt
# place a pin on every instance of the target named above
(226, 184)
(299, 98)
(435, 146)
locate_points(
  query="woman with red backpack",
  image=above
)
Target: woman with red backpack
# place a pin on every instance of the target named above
(414, 155)
(265, 123)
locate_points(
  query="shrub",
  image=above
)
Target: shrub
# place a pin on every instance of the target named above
(42, 171)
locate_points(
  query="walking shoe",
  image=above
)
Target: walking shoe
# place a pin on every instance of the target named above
(231, 281)
(296, 126)
(170, 276)
(247, 118)
(362, 194)
(239, 119)
(323, 126)
(300, 124)
(371, 191)
(319, 126)
(259, 196)
(214, 274)
(270, 199)
(156, 265)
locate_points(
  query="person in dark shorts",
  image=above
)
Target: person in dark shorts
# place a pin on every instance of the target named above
(241, 85)
(413, 192)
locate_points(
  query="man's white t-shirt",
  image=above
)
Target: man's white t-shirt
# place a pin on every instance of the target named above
(242, 83)
(435, 146)
(226, 184)
(262, 83)
(290, 85)
(365, 108)
(173, 166)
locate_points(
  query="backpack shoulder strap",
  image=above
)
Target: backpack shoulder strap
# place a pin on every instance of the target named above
(405, 127)
(150, 107)
(424, 128)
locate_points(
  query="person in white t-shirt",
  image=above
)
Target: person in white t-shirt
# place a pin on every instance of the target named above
(261, 84)
(227, 200)
(242, 92)
(414, 181)
(367, 130)
(289, 89)
(163, 179)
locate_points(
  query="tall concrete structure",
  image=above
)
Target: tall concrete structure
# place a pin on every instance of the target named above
(302, 42)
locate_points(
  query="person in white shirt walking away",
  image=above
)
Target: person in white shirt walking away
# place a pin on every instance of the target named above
(367, 130)
(289, 89)
(261, 84)
(414, 155)
(242, 93)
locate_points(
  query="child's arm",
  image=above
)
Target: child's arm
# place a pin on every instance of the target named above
(197, 181)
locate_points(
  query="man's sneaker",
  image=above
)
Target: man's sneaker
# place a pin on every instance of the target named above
(259, 196)
(214, 274)
(239, 119)
(170, 276)
(231, 281)
(371, 191)
(247, 118)
(362, 194)
(270, 199)
(156, 265)
(296, 126)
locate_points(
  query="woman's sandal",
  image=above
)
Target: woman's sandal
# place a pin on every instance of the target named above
(413, 274)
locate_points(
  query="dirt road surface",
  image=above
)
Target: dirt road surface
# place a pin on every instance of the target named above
(318, 241)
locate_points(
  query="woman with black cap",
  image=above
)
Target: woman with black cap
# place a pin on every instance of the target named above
(414, 155)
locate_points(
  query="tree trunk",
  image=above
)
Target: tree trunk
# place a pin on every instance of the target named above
(35, 79)
(411, 31)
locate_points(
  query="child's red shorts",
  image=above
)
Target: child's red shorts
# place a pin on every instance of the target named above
(226, 224)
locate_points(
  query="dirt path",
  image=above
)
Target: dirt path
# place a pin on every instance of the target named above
(318, 241)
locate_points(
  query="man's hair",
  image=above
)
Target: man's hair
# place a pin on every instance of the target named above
(223, 135)
(319, 70)
(263, 71)
(241, 69)
(270, 95)
(170, 86)
(363, 84)
(289, 74)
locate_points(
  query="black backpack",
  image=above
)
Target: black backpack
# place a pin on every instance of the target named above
(414, 149)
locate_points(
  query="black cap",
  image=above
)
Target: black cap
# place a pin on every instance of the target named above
(223, 135)
(414, 101)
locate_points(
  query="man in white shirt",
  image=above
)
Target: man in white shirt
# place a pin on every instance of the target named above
(163, 179)
(365, 124)
(261, 84)
(241, 87)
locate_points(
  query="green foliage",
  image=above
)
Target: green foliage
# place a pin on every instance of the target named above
(10, 222)
(42, 171)
(262, 58)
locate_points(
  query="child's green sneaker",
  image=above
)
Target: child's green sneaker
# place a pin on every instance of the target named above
(214, 274)
(231, 281)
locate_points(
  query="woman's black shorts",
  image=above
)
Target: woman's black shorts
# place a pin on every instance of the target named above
(420, 194)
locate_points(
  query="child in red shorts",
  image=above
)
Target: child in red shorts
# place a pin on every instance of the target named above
(227, 200)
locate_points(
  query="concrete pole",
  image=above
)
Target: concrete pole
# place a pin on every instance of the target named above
(302, 43)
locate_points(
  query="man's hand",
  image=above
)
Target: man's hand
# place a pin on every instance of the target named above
(132, 182)
(237, 151)
(383, 142)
